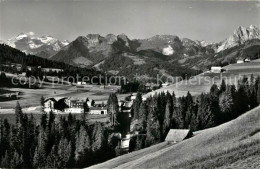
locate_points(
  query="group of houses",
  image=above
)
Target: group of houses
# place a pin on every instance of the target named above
(18, 67)
(219, 69)
(243, 60)
(70, 105)
(47, 70)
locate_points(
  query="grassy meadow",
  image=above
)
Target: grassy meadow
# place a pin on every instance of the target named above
(203, 82)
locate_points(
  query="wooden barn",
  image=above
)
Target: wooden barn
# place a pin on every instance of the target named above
(178, 135)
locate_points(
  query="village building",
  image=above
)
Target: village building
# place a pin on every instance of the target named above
(47, 70)
(215, 69)
(49, 105)
(125, 142)
(98, 110)
(133, 96)
(165, 84)
(178, 135)
(81, 83)
(151, 86)
(247, 60)
(240, 61)
(68, 105)
(74, 110)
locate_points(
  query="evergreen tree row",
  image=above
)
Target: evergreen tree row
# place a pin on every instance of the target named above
(154, 117)
(54, 142)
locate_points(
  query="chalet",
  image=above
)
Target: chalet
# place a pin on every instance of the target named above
(240, 61)
(98, 110)
(247, 60)
(127, 104)
(215, 69)
(151, 86)
(49, 105)
(178, 135)
(165, 84)
(133, 96)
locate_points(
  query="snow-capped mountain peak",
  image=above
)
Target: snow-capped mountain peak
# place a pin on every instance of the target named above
(44, 46)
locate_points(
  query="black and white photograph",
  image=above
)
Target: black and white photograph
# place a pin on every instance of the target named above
(136, 84)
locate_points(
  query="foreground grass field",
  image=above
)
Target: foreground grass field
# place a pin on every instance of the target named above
(30, 98)
(235, 144)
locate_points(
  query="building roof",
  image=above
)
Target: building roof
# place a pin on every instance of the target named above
(52, 99)
(177, 135)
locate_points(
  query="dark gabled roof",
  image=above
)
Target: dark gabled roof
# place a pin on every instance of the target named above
(177, 135)
(52, 99)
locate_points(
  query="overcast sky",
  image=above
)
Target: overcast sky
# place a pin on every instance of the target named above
(211, 21)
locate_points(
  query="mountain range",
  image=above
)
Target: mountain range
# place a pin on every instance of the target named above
(160, 54)
(44, 46)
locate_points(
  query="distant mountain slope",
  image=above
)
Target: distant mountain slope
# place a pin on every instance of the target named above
(92, 49)
(11, 55)
(233, 144)
(160, 53)
(44, 46)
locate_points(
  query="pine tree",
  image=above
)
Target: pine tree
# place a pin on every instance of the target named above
(153, 124)
(18, 114)
(44, 114)
(226, 102)
(223, 86)
(98, 137)
(242, 100)
(82, 142)
(136, 105)
(143, 116)
(167, 119)
(40, 152)
(53, 158)
(214, 91)
(207, 112)
(64, 153)
(188, 110)
(113, 110)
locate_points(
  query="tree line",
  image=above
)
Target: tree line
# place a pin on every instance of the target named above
(154, 117)
(54, 142)
(10, 55)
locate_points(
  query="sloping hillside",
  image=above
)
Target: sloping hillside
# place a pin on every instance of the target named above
(233, 144)
(161, 53)
(203, 82)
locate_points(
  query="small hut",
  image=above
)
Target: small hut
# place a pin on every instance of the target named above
(178, 135)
